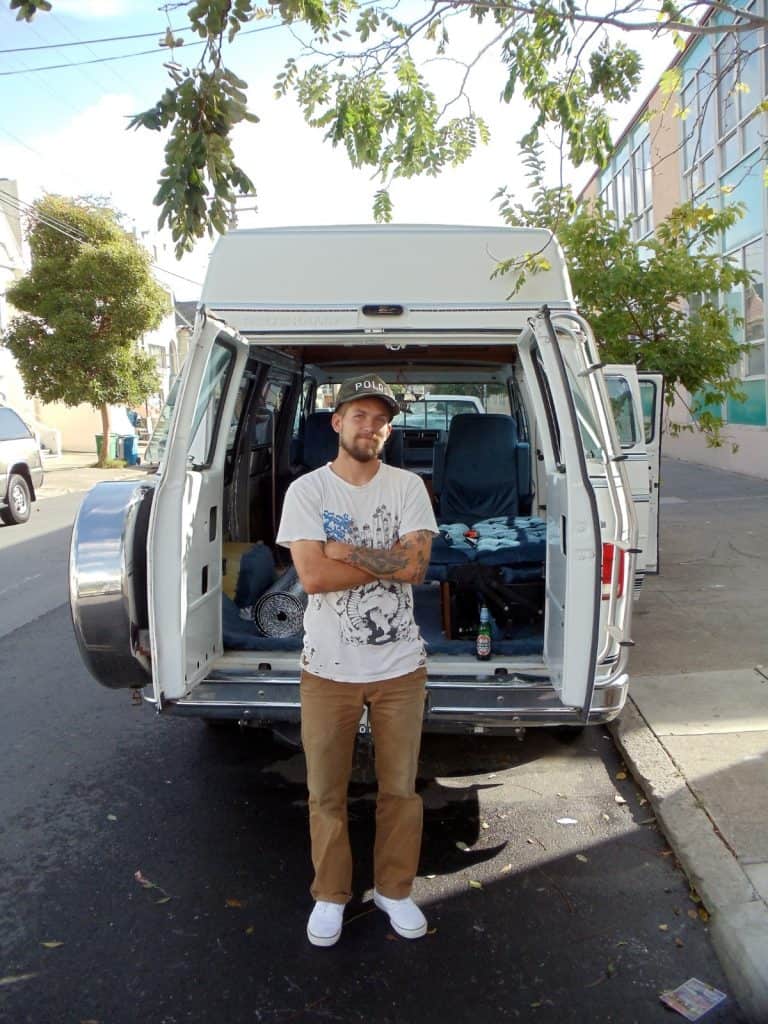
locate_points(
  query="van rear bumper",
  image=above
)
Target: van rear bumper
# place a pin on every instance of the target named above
(453, 705)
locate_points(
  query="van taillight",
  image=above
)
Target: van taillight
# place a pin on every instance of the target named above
(609, 553)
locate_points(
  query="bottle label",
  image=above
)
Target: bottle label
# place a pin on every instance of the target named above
(483, 645)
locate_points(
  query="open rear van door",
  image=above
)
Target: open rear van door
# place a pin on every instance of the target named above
(652, 403)
(186, 518)
(573, 559)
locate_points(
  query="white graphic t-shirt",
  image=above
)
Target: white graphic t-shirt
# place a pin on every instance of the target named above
(368, 632)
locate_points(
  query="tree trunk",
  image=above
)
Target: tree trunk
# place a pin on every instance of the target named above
(104, 436)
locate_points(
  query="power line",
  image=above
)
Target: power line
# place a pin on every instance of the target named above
(89, 42)
(20, 206)
(124, 56)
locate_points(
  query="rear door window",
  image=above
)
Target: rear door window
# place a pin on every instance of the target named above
(622, 405)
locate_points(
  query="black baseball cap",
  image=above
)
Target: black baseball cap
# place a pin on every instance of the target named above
(367, 385)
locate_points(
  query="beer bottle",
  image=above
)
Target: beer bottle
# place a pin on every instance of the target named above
(484, 635)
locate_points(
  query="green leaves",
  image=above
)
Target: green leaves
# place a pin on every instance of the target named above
(200, 180)
(662, 305)
(368, 79)
(84, 305)
(27, 10)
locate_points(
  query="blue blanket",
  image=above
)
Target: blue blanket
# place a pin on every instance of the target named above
(504, 541)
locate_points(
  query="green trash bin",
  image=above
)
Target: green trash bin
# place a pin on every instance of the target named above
(111, 445)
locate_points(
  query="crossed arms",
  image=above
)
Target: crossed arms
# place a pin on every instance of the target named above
(332, 565)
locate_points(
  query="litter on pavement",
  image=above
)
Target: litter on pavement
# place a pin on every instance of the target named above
(693, 999)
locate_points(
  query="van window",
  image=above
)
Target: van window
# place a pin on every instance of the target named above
(433, 415)
(649, 397)
(270, 403)
(549, 406)
(12, 426)
(585, 417)
(620, 395)
(208, 408)
(156, 447)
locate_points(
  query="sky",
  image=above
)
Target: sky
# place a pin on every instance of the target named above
(64, 130)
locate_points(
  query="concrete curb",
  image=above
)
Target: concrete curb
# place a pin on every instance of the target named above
(739, 925)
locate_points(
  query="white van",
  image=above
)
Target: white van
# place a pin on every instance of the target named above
(548, 511)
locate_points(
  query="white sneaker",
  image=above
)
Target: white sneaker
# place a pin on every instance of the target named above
(324, 925)
(404, 916)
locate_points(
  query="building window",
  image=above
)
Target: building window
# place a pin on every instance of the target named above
(754, 311)
(160, 355)
(739, 90)
(698, 101)
(629, 192)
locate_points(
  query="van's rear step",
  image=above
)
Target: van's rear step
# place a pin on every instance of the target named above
(502, 703)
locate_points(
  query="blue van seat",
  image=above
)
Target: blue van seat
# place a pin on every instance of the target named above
(321, 442)
(479, 477)
(394, 450)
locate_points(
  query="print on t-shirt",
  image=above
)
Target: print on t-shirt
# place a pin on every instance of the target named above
(378, 612)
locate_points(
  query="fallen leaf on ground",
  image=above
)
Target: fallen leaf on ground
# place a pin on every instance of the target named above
(111, 817)
(663, 927)
(506, 868)
(693, 915)
(250, 930)
(14, 979)
(484, 824)
(431, 931)
(473, 884)
(462, 846)
(582, 858)
(621, 775)
(679, 942)
(619, 798)
(567, 821)
(53, 944)
(234, 903)
(606, 816)
(703, 914)
(146, 884)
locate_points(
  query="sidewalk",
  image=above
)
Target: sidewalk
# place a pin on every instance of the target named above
(72, 472)
(695, 730)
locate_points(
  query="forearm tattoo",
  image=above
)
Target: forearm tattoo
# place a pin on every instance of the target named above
(407, 560)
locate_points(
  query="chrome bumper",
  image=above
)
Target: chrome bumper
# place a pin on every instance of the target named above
(453, 705)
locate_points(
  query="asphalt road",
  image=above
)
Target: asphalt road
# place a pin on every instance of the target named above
(531, 919)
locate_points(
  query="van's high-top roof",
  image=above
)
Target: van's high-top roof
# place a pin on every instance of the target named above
(318, 279)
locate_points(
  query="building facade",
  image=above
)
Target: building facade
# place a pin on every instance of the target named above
(701, 136)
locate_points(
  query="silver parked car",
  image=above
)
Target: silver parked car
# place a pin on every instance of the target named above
(21, 468)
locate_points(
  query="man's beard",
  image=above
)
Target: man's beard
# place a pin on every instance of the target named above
(372, 450)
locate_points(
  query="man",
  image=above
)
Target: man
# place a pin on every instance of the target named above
(360, 533)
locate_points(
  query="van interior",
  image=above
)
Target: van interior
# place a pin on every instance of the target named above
(479, 470)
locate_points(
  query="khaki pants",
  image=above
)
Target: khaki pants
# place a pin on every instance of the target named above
(330, 715)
